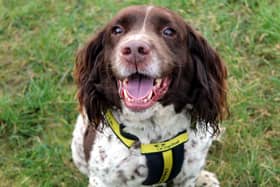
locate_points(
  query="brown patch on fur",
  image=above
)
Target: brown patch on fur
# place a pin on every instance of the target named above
(88, 141)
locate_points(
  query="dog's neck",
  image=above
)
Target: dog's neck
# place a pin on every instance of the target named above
(156, 124)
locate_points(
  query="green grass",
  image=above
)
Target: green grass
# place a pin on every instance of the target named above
(38, 40)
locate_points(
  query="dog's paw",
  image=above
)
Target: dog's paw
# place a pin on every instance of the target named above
(207, 179)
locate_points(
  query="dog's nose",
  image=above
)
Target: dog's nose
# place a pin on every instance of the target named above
(135, 51)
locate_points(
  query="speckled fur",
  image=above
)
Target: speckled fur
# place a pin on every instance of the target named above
(112, 164)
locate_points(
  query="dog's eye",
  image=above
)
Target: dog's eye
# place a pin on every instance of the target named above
(168, 32)
(117, 30)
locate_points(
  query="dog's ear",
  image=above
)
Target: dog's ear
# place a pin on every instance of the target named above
(88, 74)
(209, 84)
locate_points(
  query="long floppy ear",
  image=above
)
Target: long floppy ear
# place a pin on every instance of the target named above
(209, 90)
(88, 75)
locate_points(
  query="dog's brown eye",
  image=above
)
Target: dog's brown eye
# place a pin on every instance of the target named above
(169, 32)
(117, 30)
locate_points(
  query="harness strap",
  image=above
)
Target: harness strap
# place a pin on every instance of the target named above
(126, 139)
(164, 159)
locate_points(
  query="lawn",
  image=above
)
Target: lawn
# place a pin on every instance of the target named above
(38, 41)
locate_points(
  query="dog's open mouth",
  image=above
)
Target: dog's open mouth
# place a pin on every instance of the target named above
(140, 92)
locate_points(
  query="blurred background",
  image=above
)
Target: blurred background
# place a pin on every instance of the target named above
(38, 41)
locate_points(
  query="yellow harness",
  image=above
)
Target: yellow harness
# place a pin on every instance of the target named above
(166, 157)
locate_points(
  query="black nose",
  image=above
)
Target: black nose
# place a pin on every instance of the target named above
(135, 51)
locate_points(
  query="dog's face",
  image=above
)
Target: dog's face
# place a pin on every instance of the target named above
(142, 49)
(146, 55)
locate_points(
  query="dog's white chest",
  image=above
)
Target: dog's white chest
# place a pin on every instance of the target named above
(116, 165)
(111, 163)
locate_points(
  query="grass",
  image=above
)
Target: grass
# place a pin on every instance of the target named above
(38, 40)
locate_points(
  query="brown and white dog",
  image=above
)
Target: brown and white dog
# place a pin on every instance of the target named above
(158, 77)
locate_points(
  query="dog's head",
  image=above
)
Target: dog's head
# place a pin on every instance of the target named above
(147, 55)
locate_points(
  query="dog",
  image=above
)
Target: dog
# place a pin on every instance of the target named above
(151, 94)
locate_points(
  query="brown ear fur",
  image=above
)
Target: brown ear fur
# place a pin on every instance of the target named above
(209, 93)
(91, 77)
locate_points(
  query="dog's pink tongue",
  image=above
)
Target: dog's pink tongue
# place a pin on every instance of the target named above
(139, 86)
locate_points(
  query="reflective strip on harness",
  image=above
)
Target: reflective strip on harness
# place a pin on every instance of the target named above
(116, 129)
(160, 167)
(167, 165)
(164, 146)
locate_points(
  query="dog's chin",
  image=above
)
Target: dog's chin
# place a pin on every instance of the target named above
(139, 92)
(131, 115)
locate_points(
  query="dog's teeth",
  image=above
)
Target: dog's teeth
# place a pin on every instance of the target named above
(125, 94)
(158, 82)
(150, 95)
(145, 100)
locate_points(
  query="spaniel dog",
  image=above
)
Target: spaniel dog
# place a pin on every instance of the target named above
(151, 93)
